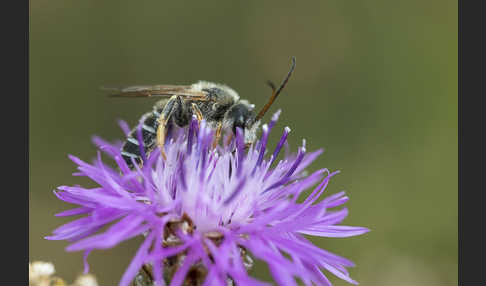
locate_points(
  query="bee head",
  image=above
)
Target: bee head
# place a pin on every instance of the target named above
(240, 115)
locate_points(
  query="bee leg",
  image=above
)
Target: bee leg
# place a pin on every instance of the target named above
(197, 111)
(165, 115)
(182, 116)
(218, 134)
(230, 137)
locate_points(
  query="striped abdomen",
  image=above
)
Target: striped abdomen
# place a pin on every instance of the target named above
(131, 147)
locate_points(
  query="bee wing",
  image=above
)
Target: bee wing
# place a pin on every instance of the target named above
(157, 91)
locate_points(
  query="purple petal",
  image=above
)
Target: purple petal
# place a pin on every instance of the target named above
(124, 126)
(137, 261)
(85, 261)
(335, 231)
(180, 275)
(75, 211)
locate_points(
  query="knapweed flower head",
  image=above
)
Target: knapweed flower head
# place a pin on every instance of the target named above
(207, 209)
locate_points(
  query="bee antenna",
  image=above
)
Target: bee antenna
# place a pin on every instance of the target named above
(272, 85)
(275, 92)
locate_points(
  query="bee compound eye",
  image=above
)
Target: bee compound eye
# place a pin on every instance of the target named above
(239, 122)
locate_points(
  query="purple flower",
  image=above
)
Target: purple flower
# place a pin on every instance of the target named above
(204, 210)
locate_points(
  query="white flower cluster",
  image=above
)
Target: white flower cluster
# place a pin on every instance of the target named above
(41, 274)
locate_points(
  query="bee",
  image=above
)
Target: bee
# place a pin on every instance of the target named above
(218, 104)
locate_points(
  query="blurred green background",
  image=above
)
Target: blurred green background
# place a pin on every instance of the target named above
(375, 85)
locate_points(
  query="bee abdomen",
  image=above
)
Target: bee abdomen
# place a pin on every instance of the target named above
(131, 147)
